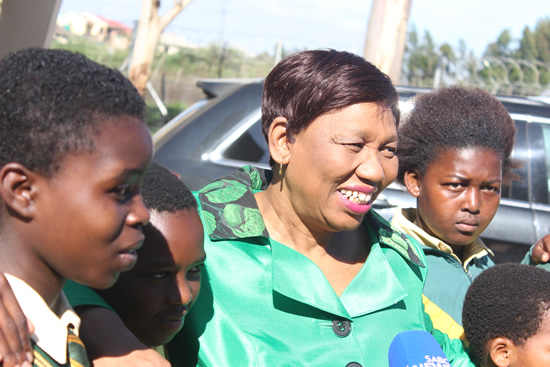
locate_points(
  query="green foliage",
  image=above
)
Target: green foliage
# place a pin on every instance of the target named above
(94, 50)
(216, 61)
(422, 59)
(542, 40)
(508, 66)
(528, 46)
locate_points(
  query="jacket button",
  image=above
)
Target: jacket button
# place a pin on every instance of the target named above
(341, 327)
(353, 364)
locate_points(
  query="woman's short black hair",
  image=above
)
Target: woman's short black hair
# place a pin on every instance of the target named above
(163, 191)
(506, 300)
(308, 84)
(454, 117)
(52, 103)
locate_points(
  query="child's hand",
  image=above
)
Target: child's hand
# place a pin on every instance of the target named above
(15, 344)
(541, 251)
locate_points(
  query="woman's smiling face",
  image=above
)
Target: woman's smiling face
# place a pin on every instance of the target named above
(339, 164)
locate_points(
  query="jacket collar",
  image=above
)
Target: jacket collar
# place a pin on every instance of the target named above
(404, 220)
(230, 212)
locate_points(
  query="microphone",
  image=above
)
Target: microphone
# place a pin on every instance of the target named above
(416, 348)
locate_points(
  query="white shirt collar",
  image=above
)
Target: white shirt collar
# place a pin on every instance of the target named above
(50, 332)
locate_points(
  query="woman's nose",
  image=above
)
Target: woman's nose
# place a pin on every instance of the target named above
(370, 167)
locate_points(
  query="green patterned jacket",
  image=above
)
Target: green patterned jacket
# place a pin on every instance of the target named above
(264, 304)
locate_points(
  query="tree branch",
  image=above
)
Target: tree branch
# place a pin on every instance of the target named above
(172, 13)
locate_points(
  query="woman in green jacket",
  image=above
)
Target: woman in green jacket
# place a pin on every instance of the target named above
(300, 271)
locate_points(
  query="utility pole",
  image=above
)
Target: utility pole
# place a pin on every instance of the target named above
(386, 35)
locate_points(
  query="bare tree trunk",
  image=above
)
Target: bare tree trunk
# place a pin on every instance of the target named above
(148, 34)
(386, 35)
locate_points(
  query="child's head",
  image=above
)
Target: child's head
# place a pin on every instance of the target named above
(153, 298)
(506, 316)
(73, 151)
(454, 154)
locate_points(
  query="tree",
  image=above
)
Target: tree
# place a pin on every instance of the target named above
(421, 59)
(149, 29)
(501, 47)
(528, 46)
(542, 40)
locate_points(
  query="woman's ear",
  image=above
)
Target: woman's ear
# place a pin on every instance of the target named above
(279, 140)
(17, 189)
(501, 352)
(412, 182)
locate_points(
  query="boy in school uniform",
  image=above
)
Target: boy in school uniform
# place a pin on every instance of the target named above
(506, 316)
(73, 151)
(154, 297)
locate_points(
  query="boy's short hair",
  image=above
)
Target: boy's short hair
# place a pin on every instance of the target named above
(50, 101)
(506, 300)
(162, 191)
(309, 84)
(454, 117)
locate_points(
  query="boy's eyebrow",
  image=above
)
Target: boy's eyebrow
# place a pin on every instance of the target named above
(468, 180)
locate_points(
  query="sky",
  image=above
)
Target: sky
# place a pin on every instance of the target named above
(257, 25)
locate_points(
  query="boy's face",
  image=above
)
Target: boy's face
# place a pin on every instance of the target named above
(90, 214)
(535, 352)
(153, 298)
(459, 194)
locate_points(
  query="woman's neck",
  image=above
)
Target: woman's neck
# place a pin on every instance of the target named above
(339, 255)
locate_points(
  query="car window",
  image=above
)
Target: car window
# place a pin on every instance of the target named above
(250, 146)
(538, 169)
(519, 190)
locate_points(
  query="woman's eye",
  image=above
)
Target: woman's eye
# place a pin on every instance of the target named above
(355, 146)
(389, 152)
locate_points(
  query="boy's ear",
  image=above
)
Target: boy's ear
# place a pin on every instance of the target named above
(412, 182)
(17, 189)
(279, 140)
(501, 351)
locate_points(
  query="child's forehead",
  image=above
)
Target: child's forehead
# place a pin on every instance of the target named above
(119, 150)
(176, 235)
(442, 154)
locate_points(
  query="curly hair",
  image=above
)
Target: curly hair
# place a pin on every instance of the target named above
(506, 300)
(52, 103)
(454, 117)
(308, 84)
(162, 191)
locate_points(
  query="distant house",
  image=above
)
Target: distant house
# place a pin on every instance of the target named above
(116, 35)
(171, 43)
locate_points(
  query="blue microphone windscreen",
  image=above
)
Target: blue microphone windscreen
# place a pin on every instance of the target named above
(416, 348)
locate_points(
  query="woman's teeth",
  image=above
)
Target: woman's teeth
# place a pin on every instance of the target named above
(356, 196)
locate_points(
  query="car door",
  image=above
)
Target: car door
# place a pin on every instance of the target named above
(539, 142)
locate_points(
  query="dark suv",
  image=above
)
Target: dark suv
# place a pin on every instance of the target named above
(223, 132)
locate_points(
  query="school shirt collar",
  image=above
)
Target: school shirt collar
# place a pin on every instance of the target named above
(404, 220)
(230, 211)
(51, 326)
